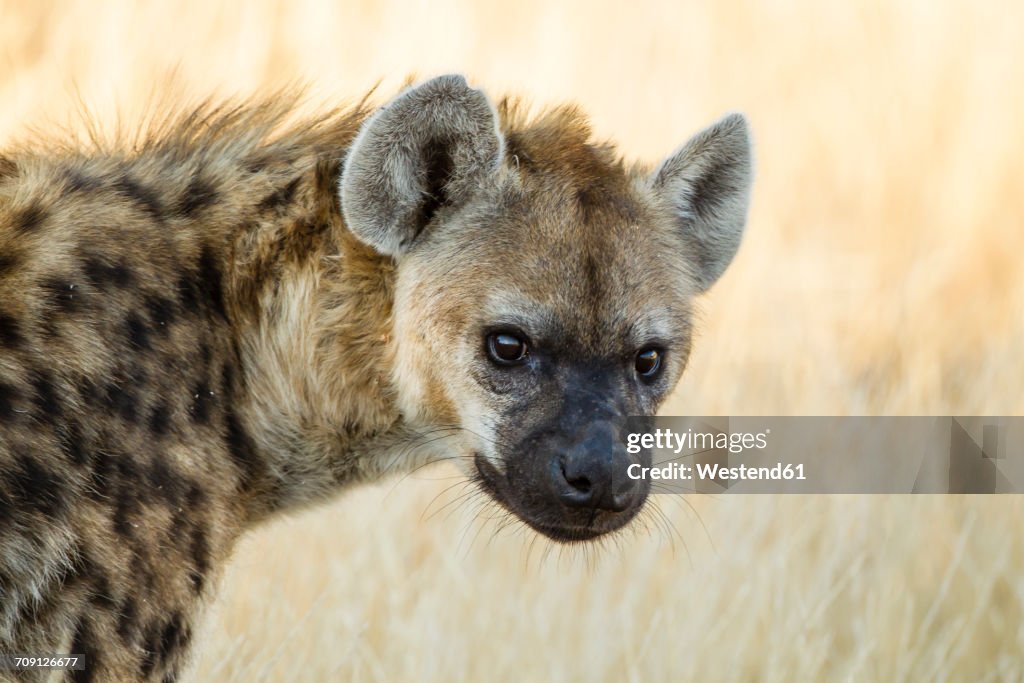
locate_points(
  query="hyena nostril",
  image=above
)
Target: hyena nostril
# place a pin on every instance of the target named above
(575, 489)
(579, 482)
(584, 479)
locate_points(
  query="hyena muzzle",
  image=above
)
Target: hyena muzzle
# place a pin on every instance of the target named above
(235, 316)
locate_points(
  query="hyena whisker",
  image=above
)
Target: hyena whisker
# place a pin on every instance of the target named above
(669, 532)
(700, 520)
(477, 521)
(460, 483)
(682, 456)
(455, 502)
(421, 440)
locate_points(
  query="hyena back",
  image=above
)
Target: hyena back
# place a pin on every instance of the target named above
(236, 317)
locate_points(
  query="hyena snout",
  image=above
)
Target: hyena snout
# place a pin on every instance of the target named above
(592, 472)
(569, 484)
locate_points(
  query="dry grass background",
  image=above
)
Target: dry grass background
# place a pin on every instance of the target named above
(882, 275)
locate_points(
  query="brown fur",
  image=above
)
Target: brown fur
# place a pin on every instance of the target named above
(191, 340)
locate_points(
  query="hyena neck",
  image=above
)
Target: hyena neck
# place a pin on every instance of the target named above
(314, 306)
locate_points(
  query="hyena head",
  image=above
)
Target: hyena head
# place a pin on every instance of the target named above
(544, 289)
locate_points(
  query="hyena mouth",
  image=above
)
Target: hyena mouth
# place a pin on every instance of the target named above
(550, 510)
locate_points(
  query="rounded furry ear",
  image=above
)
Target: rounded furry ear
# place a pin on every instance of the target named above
(707, 182)
(428, 148)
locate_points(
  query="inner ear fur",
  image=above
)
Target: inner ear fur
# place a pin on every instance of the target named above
(428, 148)
(707, 183)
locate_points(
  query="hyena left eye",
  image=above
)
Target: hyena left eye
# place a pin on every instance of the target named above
(505, 348)
(648, 363)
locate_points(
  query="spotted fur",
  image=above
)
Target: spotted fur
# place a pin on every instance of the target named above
(193, 338)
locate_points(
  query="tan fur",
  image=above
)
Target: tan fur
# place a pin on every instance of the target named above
(192, 340)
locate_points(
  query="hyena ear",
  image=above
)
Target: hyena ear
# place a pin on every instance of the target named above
(428, 148)
(707, 182)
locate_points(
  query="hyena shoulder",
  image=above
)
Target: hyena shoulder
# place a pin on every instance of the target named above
(127, 271)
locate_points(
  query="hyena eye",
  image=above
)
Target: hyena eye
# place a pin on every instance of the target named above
(648, 363)
(505, 348)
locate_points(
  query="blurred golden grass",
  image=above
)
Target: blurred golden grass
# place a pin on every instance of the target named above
(881, 275)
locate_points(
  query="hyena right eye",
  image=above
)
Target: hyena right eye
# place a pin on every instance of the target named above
(506, 348)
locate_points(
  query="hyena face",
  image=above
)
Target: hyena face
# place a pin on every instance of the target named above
(544, 289)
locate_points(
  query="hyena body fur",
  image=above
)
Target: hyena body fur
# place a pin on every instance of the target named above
(234, 317)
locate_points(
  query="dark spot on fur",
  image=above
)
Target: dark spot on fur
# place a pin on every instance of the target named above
(11, 336)
(9, 396)
(35, 487)
(129, 474)
(128, 620)
(166, 482)
(6, 511)
(200, 551)
(101, 480)
(138, 373)
(87, 391)
(94, 574)
(65, 295)
(150, 646)
(280, 197)
(162, 311)
(205, 355)
(122, 401)
(586, 199)
(198, 580)
(211, 281)
(103, 275)
(83, 643)
(126, 506)
(188, 293)
(137, 332)
(102, 594)
(227, 381)
(172, 638)
(199, 194)
(46, 401)
(241, 450)
(203, 403)
(180, 525)
(80, 182)
(30, 218)
(195, 499)
(8, 261)
(147, 199)
(160, 419)
(72, 444)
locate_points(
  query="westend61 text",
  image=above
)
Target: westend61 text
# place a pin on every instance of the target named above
(714, 472)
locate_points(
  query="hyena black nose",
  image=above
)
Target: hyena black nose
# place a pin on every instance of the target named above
(587, 476)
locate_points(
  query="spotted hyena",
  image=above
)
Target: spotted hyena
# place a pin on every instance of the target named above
(233, 317)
